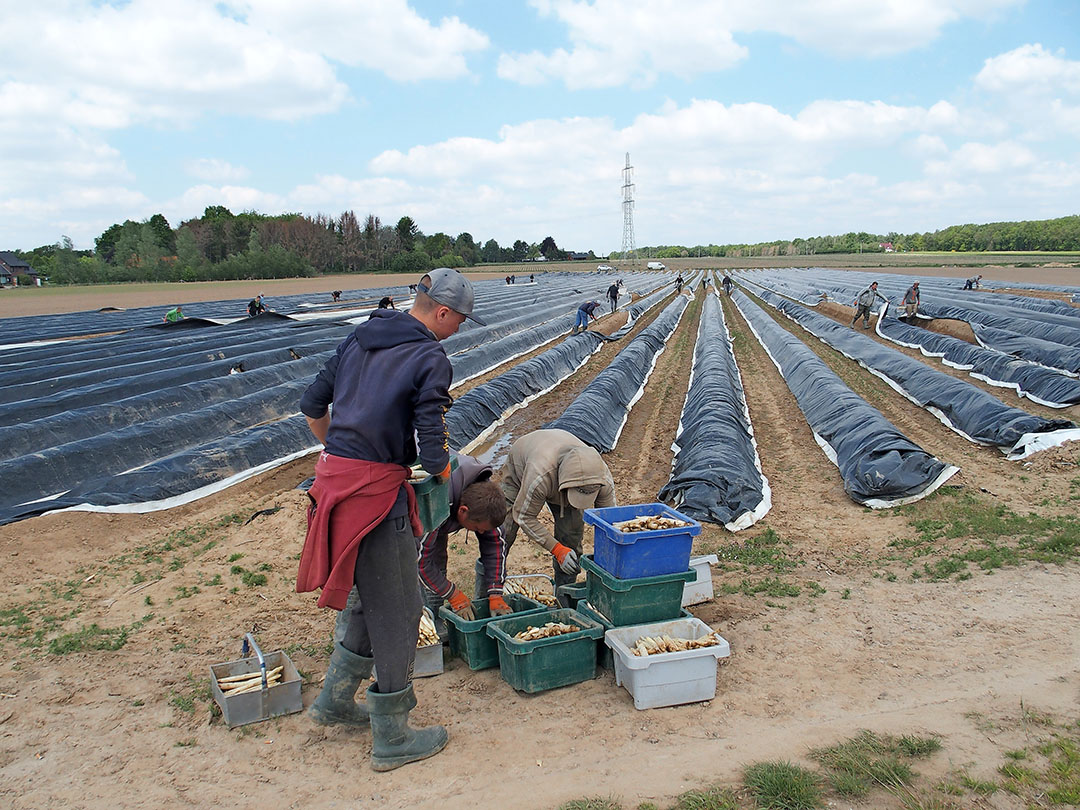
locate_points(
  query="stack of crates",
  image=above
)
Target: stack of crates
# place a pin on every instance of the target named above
(636, 577)
(635, 586)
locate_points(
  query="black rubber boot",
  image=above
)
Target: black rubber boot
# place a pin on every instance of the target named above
(393, 743)
(336, 702)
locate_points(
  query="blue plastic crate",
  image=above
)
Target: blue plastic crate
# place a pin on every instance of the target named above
(629, 555)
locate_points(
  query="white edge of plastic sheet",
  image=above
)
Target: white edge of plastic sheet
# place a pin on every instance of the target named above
(888, 381)
(874, 503)
(1016, 387)
(1031, 443)
(476, 442)
(748, 518)
(494, 366)
(193, 495)
(947, 473)
(641, 391)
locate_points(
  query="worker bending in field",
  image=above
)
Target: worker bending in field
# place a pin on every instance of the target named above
(389, 383)
(476, 505)
(585, 311)
(556, 469)
(173, 315)
(864, 302)
(256, 306)
(911, 300)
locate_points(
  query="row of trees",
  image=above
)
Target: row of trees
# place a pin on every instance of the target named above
(222, 245)
(1036, 235)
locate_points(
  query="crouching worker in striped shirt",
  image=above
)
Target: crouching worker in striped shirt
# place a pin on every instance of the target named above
(477, 505)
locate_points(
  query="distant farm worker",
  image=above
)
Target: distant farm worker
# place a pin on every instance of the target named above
(864, 301)
(973, 283)
(476, 505)
(531, 278)
(727, 284)
(386, 302)
(173, 315)
(678, 283)
(613, 296)
(256, 306)
(389, 384)
(911, 300)
(554, 468)
(336, 295)
(585, 311)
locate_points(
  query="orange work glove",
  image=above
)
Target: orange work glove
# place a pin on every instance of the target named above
(567, 559)
(497, 605)
(460, 604)
(444, 476)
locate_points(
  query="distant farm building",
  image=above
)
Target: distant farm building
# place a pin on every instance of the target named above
(11, 267)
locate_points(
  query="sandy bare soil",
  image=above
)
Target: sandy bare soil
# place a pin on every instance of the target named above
(862, 645)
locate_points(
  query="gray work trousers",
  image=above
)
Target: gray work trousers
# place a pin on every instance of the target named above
(384, 624)
(569, 530)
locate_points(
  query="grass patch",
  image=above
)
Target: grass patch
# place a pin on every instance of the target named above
(766, 551)
(591, 804)
(713, 798)
(967, 533)
(95, 637)
(783, 785)
(771, 587)
(868, 760)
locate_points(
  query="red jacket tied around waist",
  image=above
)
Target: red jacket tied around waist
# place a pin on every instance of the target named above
(349, 498)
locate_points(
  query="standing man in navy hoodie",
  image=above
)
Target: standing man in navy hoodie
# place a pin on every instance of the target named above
(389, 383)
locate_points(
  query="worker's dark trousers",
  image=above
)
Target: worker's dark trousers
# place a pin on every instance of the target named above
(385, 622)
(614, 303)
(569, 530)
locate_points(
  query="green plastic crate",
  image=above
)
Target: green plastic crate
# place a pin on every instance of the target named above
(634, 601)
(534, 666)
(469, 642)
(433, 500)
(604, 657)
(574, 593)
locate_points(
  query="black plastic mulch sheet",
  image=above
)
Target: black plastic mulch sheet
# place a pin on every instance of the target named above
(106, 419)
(68, 466)
(1036, 382)
(477, 411)
(879, 465)
(1044, 352)
(598, 414)
(487, 356)
(637, 309)
(187, 475)
(716, 474)
(968, 410)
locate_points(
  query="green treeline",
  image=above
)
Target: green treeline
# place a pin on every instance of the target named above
(221, 245)
(1036, 235)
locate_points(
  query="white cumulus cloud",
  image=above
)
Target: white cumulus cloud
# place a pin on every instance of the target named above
(1030, 69)
(613, 43)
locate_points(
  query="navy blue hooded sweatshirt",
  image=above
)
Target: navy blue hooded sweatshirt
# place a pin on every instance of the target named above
(389, 378)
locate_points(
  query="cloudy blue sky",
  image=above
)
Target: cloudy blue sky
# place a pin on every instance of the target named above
(746, 120)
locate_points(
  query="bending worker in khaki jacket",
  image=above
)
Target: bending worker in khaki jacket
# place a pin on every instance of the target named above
(555, 468)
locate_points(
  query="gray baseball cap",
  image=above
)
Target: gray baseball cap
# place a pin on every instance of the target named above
(451, 289)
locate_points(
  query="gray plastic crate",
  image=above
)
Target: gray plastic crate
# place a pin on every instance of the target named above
(666, 679)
